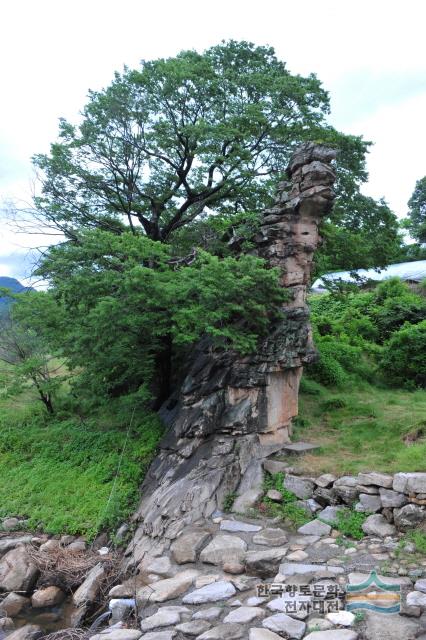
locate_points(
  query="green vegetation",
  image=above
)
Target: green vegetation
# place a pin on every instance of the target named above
(378, 428)
(122, 325)
(364, 401)
(229, 501)
(376, 336)
(349, 523)
(403, 360)
(72, 475)
(418, 538)
(416, 221)
(288, 510)
(157, 194)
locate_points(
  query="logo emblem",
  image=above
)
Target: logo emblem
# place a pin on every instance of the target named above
(374, 594)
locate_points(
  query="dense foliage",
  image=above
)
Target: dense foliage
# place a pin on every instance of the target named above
(374, 335)
(187, 135)
(72, 475)
(416, 222)
(121, 314)
(165, 146)
(168, 164)
(403, 359)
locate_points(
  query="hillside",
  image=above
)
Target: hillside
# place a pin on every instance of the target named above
(14, 286)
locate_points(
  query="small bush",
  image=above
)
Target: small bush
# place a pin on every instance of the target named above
(418, 537)
(328, 369)
(334, 403)
(288, 509)
(350, 522)
(229, 501)
(403, 359)
(310, 387)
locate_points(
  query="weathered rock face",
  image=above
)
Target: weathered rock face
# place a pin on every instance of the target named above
(232, 412)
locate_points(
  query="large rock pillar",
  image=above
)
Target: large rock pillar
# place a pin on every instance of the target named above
(232, 412)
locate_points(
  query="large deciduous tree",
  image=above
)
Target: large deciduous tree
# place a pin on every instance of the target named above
(166, 161)
(186, 135)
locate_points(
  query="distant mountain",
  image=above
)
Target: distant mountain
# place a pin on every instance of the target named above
(15, 287)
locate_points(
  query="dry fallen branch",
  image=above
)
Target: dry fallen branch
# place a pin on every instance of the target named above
(68, 634)
(67, 568)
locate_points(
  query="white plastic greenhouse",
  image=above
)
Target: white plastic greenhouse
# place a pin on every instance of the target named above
(411, 271)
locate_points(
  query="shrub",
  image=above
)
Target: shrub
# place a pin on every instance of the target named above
(288, 509)
(418, 537)
(393, 305)
(403, 359)
(349, 523)
(333, 403)
(335, 360)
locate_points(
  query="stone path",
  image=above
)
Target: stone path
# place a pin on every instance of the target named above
(206, 586)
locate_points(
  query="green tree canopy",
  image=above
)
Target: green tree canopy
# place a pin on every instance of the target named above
(200, 132)
(121, 312)
(416, 222)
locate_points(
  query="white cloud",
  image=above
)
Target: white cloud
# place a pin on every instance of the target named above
(397, 159)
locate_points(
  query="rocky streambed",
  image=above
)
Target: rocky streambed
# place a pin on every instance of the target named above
(231, 575)
(226, 577)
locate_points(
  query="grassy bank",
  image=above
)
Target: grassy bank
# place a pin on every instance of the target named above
(363, 427)
(71, 475)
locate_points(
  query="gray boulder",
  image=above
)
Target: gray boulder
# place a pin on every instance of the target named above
(329, 514)
(244, 615)
(315, 528)
(334, 634)
(167, 589)
(270, 537)
(214, 592)
(379, 626)
(326, 496)
(326, 480)
(274, 466)
(416, 599)
(186, 547)
(301, 487)
(377, 525)
(264, 563)
(370, 503)
(421, 585)
(126, 634)
(224, 548)
(409, 516)
(17, 571)
(409, 483)
(220, 632)
(379, 479)
(392, 499)
(347, 493)
(284, 624)
(193, 628)
(89, 590)
(163, 618)
(237, 526)
(247, 500)
(295, 568)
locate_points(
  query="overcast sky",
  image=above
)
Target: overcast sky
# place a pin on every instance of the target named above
(369, 54)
